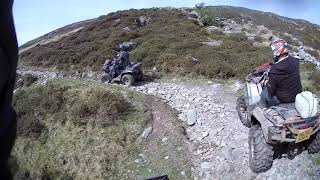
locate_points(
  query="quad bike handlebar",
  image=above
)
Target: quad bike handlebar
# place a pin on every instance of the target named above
(258, 78)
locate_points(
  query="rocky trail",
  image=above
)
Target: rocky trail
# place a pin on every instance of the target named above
(217, 139)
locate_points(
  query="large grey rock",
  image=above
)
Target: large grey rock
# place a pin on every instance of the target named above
(212, 43)
(213, 29)
(191, 117)
(143, 21)
(206, 165)
(126, 29)
(237, 152)
(226, 167)
(90, 74)
(194, 14)
(195, 59)
(182, 117)
(126, 46)
(228, 154)
(196, 21)
(146, 132)
(151, 90)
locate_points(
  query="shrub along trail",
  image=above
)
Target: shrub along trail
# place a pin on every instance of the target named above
(218, 142)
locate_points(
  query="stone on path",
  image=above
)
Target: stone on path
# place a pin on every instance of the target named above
(146, 132)
(192, 117)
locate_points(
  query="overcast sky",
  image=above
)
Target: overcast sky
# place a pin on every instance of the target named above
(34, 18)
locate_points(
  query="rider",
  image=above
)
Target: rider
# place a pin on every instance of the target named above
(117, 64)
(122, 61)
(284, 78)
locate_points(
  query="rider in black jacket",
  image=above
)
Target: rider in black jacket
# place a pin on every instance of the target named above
(284, 78)
(8, 65)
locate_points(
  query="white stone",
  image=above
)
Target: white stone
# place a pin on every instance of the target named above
(164, 139)
(207, 165)
(192, 117)
(146, 132)
(205, 134)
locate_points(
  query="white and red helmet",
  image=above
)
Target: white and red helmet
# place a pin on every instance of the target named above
(279, 46)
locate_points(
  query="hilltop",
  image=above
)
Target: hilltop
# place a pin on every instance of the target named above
(214, 42)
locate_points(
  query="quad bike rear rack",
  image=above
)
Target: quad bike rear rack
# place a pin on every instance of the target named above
(282, 137)
(291, 128)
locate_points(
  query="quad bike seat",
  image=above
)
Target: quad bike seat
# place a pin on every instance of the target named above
(281, 113)
(287, 106)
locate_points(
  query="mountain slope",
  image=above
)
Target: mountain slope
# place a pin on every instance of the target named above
(175, 42)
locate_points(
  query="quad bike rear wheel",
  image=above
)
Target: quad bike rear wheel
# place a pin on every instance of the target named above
(106, 78)
(127, 79)
(140, 75)
(314, 147)
(243, 111)
(260, 152)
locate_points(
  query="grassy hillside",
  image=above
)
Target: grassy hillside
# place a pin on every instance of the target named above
(303, 30)
(61, 30)
(71, 129)
(310, 78)
(171, 42)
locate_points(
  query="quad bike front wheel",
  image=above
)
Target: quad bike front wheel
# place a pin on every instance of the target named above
(260, 152)
(242, 110)
(106, 78)
(127, 79)
(314, 147)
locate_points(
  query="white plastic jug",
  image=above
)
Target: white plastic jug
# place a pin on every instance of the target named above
(306, 104)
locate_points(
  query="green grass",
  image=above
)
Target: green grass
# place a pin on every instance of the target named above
(310, 78)
(317, 160)
(75, 129)
(25, 81)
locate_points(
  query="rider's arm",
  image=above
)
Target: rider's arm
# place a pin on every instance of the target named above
(272, 84)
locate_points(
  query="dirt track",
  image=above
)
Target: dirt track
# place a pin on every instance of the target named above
(218, 140)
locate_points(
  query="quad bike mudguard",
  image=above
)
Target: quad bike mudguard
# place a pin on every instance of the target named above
(258, 115)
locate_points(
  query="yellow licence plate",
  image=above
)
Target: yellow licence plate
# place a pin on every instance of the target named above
(304, 135)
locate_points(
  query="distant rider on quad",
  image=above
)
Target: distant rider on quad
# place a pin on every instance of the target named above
(284, 78)
(122, 60)
(117, 64)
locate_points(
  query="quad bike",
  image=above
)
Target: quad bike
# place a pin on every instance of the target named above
(276, 126)
(128, 76)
